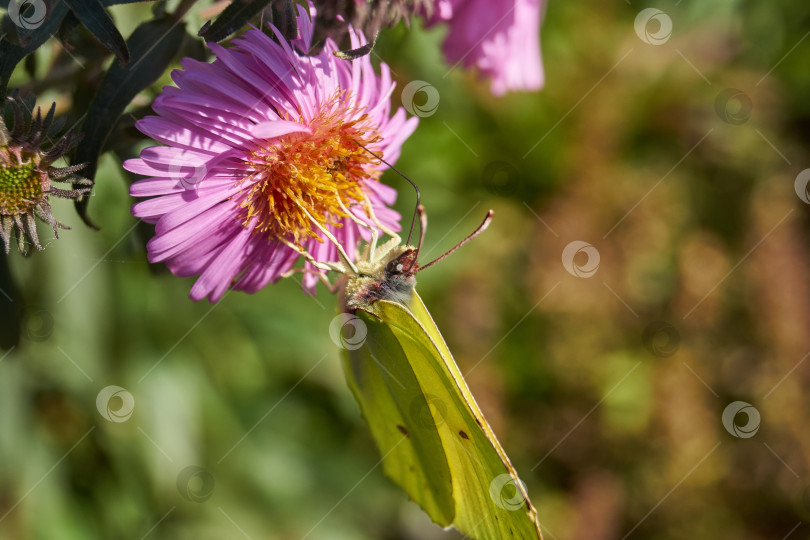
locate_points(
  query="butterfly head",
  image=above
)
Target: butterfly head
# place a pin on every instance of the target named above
(404, 265)
(392, 275)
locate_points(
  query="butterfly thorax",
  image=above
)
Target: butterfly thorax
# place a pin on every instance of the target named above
(392, 277)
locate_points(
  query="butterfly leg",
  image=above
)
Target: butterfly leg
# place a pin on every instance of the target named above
(342, 252)
(372, 245)
(329, 267)
(331, 287)
(383, 228)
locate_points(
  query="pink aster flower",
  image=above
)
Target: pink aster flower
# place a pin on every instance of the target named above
(499, 37)
(263, 154)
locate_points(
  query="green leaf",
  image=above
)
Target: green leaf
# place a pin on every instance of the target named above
(232, 18)
(95, 18)
(10, 307)
(9, 30)
(153, 45)
(28, 40)
(283, 15)
(108, 3)
(426, 422)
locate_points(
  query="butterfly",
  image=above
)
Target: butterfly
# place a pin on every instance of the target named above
(433, 438)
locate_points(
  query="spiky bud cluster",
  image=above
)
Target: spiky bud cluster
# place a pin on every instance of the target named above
(27, 155)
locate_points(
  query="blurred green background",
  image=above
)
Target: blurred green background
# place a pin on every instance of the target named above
(606, 391)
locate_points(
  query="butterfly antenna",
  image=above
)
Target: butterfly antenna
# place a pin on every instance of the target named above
(411, 182)
(481, 228)
(422, 228)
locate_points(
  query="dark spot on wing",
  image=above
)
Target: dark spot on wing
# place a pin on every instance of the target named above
(463, 435)
(479, 423)
(402, 429)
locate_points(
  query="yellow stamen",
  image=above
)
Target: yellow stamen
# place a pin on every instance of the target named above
(302, 183)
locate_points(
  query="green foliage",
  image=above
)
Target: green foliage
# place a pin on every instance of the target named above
(154, 45)
(232, 18)
(99, 23)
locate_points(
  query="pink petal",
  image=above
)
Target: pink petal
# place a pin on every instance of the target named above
(277, 128)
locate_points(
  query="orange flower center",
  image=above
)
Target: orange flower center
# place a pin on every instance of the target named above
(304, 177)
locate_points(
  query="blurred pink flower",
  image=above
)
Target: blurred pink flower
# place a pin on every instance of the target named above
(499, 37)
(261, 152)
